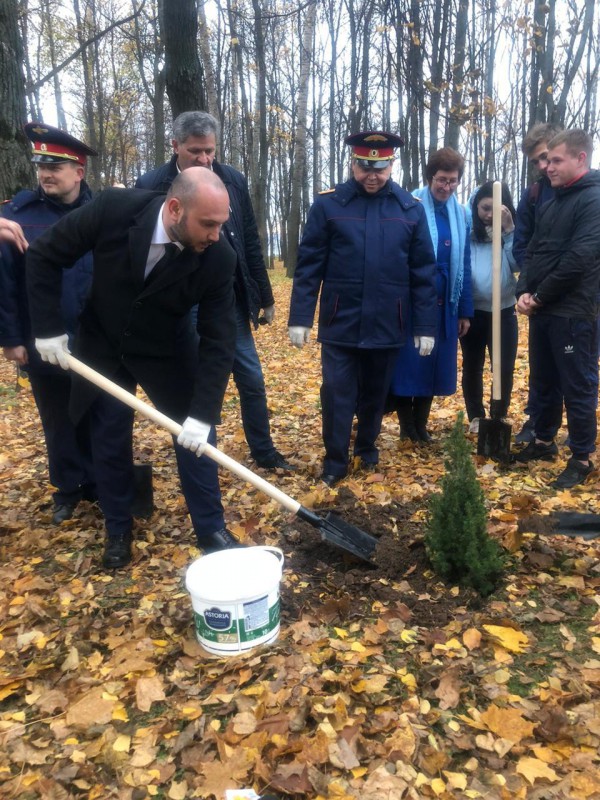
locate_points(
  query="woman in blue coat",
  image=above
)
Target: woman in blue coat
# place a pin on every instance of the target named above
(417, 380)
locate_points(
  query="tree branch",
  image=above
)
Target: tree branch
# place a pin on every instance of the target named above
(33, 86)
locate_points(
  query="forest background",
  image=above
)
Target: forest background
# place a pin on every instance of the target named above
(288, 81)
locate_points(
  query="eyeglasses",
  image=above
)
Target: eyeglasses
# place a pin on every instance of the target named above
(452, 182)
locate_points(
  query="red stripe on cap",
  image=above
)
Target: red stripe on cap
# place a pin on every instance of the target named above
(373, 153)
(59, 151)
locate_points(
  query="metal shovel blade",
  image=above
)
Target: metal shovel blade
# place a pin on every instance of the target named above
(334, 530)
(573, 523)
(494, 440)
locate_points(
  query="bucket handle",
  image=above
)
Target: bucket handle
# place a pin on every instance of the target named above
(274, 550)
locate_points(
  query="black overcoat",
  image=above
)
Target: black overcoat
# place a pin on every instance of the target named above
(127, 323)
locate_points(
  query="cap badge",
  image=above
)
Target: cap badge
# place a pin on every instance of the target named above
(43, 146)
(375, 137)
(40, 130)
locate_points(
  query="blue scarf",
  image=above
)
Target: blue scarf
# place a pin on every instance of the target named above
(458, 233)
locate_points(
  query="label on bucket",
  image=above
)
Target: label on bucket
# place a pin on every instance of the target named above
(248, 622)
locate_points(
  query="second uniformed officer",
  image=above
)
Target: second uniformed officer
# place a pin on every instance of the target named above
(366, 246)
(60, 160)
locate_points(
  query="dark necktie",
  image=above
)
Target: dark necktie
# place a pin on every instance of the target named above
(162, 265)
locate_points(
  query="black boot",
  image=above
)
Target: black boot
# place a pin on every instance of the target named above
(421, 409)
(406, 419)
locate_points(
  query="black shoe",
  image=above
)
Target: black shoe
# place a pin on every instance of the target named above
(527, 433)
(408, 431)
(219, 540)
(276, 461)
(424, 436)
(368, 466)
(573, 474)
(331, 480)
(117, 551)
(536, 451)
(62, 512)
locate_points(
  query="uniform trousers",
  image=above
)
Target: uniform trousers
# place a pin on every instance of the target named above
(563, 356)
(67, 445)
(354, 381)
(111, 429)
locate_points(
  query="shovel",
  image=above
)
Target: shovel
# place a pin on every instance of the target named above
(332, 528)
(494, 434)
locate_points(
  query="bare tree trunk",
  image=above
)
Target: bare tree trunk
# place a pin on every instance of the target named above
(209, 72)
(458, 69)
(259, 186)
(58, 101)
(16, 171)
(183, 71)
(299, 162)
(156, 91)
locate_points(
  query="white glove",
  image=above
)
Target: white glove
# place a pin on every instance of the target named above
(269, 314)
(54, 350)
(425, 344)
(194, 435)
(299, 336)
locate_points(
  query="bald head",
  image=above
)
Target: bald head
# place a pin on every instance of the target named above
(196, 206)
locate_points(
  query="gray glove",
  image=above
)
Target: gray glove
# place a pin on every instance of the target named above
(299, 336)
(424, 344)
(269, 314)
(194, 435)
(54, 350)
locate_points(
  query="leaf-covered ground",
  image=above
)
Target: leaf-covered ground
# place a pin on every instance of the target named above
(384, 683)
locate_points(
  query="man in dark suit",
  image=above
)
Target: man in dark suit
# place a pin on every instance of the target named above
(130, 332)
(195, 136)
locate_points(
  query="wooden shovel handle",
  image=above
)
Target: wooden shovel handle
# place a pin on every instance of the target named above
(496, 289)
(173, 427)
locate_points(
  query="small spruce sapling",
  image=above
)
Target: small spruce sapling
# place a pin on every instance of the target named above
(458, 545)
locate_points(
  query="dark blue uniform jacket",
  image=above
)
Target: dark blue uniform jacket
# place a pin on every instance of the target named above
(36, 212)
(372, 257)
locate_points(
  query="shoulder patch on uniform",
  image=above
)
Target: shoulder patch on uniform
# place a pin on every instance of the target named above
(418, 199)
(4, 202)
(327, 191)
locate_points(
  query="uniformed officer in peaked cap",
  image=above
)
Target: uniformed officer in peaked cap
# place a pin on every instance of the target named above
(373, 149)
(53, 146)
(366, 247)
(60, 160)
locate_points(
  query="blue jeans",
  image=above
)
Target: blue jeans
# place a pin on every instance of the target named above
(248, 377)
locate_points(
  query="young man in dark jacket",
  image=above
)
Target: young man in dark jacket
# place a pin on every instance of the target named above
(558, 291)
(535, 148)
(195, 135)
(60, 160)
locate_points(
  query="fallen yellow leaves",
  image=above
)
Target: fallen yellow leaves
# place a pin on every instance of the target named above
(514, 641)
(533, 769)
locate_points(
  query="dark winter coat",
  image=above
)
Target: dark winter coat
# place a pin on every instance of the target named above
(562, 263)
(532, 200)
(127, 322)
(253, 286)
(372, 258)
(36, 212)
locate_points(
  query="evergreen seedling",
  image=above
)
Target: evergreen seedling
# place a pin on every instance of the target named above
(459, 547)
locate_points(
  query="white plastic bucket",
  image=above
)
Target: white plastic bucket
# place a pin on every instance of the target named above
(235, 598)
